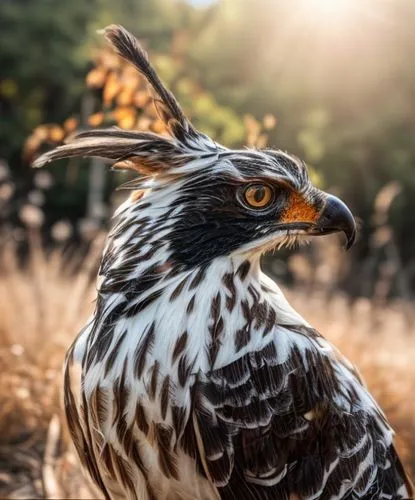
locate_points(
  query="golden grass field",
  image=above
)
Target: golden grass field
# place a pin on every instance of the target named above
(44, 303)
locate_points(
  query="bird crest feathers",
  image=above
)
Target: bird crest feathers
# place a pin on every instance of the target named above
(128, 47)
(144, 152)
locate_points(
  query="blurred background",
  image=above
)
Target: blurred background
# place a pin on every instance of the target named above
(332, 81)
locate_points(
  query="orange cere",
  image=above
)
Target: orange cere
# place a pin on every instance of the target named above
(299, 210)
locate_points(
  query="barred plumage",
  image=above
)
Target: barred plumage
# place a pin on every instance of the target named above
(195, 379)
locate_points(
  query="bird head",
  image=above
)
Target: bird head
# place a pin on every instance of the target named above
(217, 201)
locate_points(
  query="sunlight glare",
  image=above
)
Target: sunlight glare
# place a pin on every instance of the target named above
(329, 9)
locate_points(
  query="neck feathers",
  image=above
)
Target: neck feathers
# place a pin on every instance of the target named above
(213, 313)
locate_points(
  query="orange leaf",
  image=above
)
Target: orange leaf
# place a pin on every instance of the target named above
(112, 88)
(96, 119)
(56, 133)
(141, 98)
(96, 78)
(41, 132)
(127, 122)
(31, 146)
(70, 124)
(157, 126)
(126, 117)
(143, 123)
(130, 78)
(125, 97)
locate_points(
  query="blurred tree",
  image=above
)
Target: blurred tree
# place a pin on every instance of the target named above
(43, 61)
(41, 66)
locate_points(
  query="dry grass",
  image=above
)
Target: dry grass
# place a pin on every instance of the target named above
(43, 305)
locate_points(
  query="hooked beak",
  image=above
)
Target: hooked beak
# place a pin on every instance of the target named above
(335, 217)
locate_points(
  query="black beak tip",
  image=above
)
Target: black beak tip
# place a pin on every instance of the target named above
(337, 217)
(350, 240)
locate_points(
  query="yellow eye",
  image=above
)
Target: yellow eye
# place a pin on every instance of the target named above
(258, 195)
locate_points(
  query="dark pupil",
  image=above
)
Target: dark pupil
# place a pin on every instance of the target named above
(259, 194)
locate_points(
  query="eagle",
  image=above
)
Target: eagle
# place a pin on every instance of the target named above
(195, 378)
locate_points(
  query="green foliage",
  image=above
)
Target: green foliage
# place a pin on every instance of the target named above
(41, 66)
